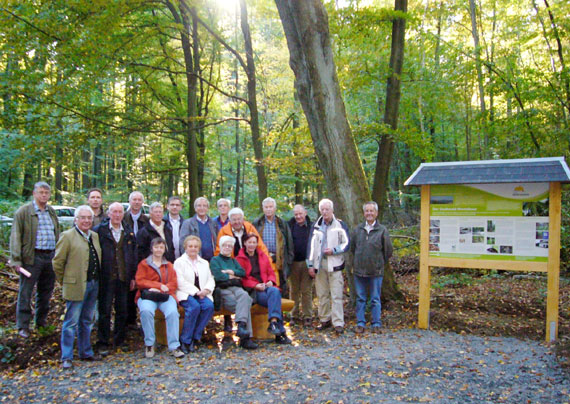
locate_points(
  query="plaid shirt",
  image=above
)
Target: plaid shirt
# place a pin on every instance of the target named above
(45, 236)
(270, 236)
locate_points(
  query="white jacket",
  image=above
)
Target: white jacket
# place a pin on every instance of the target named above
(186, 276)
(337, 240)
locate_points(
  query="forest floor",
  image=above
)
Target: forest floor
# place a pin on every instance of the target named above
(486, 344)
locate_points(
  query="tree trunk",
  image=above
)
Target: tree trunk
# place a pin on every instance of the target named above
(307, 32)
(252, 104)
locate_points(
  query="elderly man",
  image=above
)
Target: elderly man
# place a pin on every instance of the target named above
(277, 238)
(238, 228)
(328, 241)
(95, 202)
(134, 216)
(370, 243)
(77, 264)
(156, 227)
(35, 231)
(300, 282)
(203, 226)
(175, 219)
(224, 206)
(118, 268)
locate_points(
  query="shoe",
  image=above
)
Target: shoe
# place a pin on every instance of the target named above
(196, 344)
(184, 348)
(177, 353)
(247, 343)
(377, 330)
(24, 333)
(242, 331)
(66, 364)
(323, 326)
(93, 358)
(149, 352)
(339, 329)
(102, 348)
(307, 322)
(359, 329)
(282, 339)
(228, 324)
(274, 328)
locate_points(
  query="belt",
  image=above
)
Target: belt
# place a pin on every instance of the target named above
(43, 251)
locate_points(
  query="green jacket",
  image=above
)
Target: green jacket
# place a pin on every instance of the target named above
(71, 262)
(371, 250)
(23, 237)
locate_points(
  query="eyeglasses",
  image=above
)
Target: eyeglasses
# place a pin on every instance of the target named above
(84, 217)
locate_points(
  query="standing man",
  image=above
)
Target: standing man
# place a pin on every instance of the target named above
(118, 268)
(156, 227)
(95, 202)
(300, 281)
(277, 238)
(175, 219)
(134, 216)
(238, 228)
(203, 226)
(77, 264)
(35, 231)
(328, 241)
(224, 206)
(370, 243)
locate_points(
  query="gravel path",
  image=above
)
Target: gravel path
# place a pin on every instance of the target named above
(397, 366)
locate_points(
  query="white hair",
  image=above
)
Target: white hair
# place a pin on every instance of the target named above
(235, 211)
(225, 239)
(155, 205)
(370, 203)
(201, 198)
(299, 207)
(113, 204)
(325, 202)
(132, 195)
(83, 207)
(223, 200)
(268, 200)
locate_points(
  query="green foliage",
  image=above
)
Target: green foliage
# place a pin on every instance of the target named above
(452, 280)
(6, 354)
(47, 330)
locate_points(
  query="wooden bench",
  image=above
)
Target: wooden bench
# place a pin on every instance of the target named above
(258, 321)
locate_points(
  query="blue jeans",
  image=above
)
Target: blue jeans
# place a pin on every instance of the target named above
(170, 311)
(271, 298)
(361, 284)
(79, 316)
(197, 313)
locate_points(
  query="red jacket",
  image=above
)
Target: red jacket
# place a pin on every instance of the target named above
(147, 277)
(265, 269)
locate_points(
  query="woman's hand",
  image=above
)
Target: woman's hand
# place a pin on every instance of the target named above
(164, 288)
(154, 290)
(203, 293)
(260, 287)
(230, 272)
(268, 284)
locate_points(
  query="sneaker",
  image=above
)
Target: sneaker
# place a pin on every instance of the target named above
(149, 352)
(274, 328)
(247, 343)
(66, 364)
(177, 353)
(184, 348)
(102, 348)
(359, 329)
(282, 339)
(92, 358)
(24, 333)
(339, 329)
(242, 331)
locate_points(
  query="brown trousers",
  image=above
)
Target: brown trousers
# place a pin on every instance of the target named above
(301, 285)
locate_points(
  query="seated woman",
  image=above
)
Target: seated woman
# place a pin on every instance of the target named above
(156, 283)
(260, 278)
(195, 287)
(227, 273)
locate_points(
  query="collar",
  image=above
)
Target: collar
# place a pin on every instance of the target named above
(136, 215)
(202, 221)
(36, 207)
(85, 236)
(113, 229)
(270, 221)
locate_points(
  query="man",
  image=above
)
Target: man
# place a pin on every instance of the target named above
(224, 206)
(277, 238)
(77, 264)
(203, 226)
(95, 202)
(136, 220)
(156, 227)
(175, 219)
(300, 282)
(134, 216)
(118, 268)
(238, 228)
(370, 243)
(328, 241)
(35, 231)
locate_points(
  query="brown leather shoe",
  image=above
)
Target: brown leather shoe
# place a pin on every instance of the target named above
(323, 326)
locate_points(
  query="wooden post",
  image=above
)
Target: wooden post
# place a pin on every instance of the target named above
(425, 282)
(554, 218)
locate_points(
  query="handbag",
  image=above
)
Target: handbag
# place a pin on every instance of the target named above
(158, 297)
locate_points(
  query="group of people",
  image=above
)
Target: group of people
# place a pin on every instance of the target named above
(126, 260)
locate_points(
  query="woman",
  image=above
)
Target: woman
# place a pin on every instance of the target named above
(227, 273)
(260, 279)
(156, 283)
(195, 287)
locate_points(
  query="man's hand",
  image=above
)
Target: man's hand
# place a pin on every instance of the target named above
(328, 251)
(132, 285)
(312, 272)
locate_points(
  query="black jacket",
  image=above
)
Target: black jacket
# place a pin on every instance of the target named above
(147, 234)
(107, 243)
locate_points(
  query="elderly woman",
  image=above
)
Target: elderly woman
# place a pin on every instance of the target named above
(260, 279)
(195, 287)
(228, 273)
(156, 282)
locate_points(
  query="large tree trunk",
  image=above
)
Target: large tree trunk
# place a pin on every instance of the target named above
(306, 28)
(252, 105)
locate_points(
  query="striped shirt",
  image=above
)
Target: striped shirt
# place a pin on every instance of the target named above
(45, 235)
